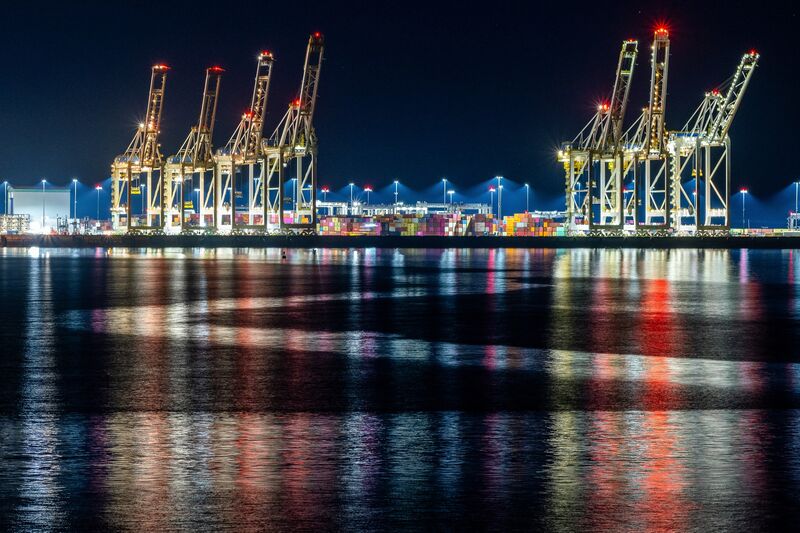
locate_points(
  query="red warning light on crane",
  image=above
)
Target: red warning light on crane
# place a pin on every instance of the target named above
(161, 67)
(217, 68)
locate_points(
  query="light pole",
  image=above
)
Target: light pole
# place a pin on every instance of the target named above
(75, 198)
(351, 197)
(197, 205)
(499, 196)
(5, 197)
(325, 191)
(500, 202)
(44, 202)
(527, 195)
(744, 195)
(396, 184)
(796, 184)
(491, 199)
(98, 189)
(368, 190)
(143, 194)
(444, 190)
(451, 193)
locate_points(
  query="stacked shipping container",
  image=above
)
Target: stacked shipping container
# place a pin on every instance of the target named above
(440, 224)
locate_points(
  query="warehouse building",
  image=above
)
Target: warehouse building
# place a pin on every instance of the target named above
(46, 207)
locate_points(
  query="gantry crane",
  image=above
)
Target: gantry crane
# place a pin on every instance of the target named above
(599, 144)
(645, 144)
(141, 159)
(195, 157)
(243, 150)
(292, 151)
(700, 191)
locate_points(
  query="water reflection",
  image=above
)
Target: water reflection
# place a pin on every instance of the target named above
(559, 389)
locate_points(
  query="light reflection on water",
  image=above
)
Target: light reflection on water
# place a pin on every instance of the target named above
(564, 389)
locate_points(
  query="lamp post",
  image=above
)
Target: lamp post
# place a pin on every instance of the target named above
(325, 191)
(5, 197)
(450, 193)
(796, 184)
(368, 190)
(499, 196)
(143, 194)
(98, 189)
(500, 201)
(197, 205)
(396, 184)
(44, 202)
(491, 198)
(444, 190)
(744, 195)
(527, 196)
(75, 198)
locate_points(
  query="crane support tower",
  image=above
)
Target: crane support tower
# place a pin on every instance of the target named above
(194, 163)
(594, 161)
(141, 166)
(646, 208)
(700, 162)
(290, 154)
(678, 182)
(243, 153)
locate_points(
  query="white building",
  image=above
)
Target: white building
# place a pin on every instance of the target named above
(44, 207)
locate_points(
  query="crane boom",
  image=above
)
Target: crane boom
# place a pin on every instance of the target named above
(712, 119)
(727, 107)
(245, 143)
(659, 60)
(151, 151)
(612, 128)
(296, 127)
(144, 150)
(196, 150)
(308, 87)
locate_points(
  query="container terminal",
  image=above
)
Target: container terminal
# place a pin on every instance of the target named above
(621, 180)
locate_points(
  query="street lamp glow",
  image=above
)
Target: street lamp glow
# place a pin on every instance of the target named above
(98, 189)
(527, 196)
(744, 196)
(444, 194)
(44, 202)
(368, 190)
(75, 202)
(796, 185)
(499, 197)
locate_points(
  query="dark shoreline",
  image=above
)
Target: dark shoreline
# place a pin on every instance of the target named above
(316, 241)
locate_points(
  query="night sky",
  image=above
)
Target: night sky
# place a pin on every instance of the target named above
(409, 91)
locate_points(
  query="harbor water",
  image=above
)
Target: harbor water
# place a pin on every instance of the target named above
(394, 389)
